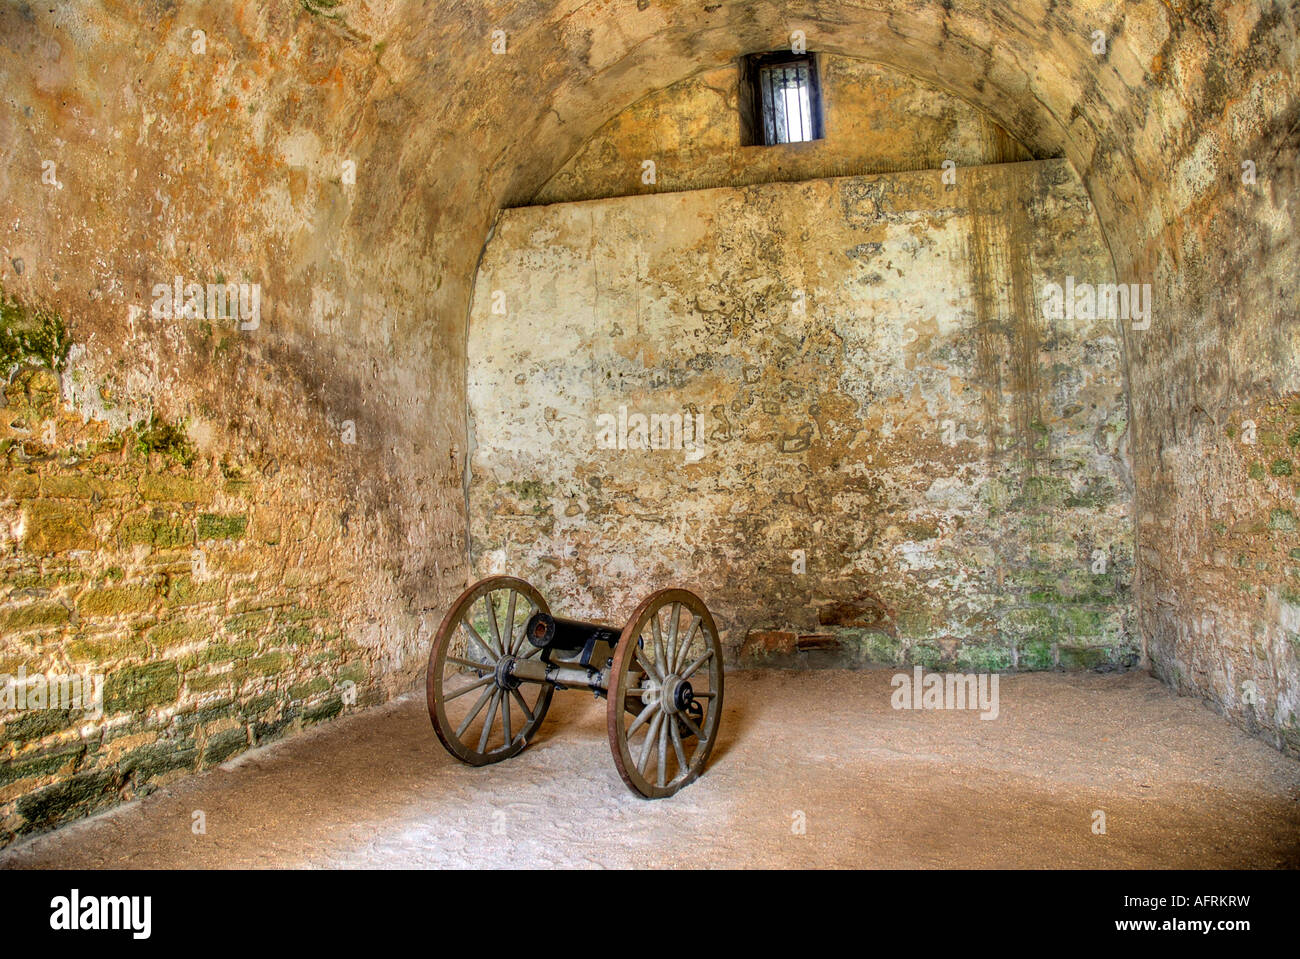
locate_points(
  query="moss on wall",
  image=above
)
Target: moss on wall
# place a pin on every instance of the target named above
(30, 335)
(166, 439)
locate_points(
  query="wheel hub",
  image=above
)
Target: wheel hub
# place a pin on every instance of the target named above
(503, 672)
(676, 694)
(684, 696)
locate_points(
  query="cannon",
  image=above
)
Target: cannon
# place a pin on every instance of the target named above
(500, 654)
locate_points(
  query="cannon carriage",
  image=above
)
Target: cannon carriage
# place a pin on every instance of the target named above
(499, 655)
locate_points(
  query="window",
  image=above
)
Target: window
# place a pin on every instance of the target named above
(781, 99)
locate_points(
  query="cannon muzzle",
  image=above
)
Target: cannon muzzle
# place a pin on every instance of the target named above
(566, 635)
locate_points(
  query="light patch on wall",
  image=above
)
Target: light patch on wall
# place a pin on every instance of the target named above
(946, 469)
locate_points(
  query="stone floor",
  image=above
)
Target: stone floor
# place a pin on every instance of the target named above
(873, 786)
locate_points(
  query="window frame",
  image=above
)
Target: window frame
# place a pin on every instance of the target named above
(753, 125)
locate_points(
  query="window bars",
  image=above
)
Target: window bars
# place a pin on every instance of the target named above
(786, 99)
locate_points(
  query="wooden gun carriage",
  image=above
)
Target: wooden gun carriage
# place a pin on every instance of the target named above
(499, 655)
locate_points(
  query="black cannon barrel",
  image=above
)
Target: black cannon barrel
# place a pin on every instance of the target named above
(554, 632)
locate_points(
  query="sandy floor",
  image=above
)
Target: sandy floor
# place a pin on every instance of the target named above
(876, 788)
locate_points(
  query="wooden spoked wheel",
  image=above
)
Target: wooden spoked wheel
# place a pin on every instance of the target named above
(665, 694)
(480, 713)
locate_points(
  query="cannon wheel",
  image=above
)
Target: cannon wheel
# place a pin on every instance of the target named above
(667, 656)
(469, 692)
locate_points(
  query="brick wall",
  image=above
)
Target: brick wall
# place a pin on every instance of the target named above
(206, 594)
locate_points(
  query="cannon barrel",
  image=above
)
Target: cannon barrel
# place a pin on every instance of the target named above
(566, 635)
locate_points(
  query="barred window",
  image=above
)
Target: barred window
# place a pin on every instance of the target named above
(782, 99)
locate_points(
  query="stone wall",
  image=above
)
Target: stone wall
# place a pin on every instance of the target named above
(876, 120)
(203, 602)
(897, 458)
(1215, 385)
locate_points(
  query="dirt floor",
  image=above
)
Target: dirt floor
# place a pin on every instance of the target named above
(873, 787)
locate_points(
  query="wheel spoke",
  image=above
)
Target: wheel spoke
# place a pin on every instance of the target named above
(478, 707)
(649, 667)
(505, 719)
(649, 742)
(661, 656)
(663, 752)
(689, 670)
(447, 697)
(699, 736)
(686, 645)
(641, 717)
(522, 704)
(479, 641)
(521, 635)
(673, 625)
(470, 664)
(510, 622)
(677, 748)
(492, 622)
(487, 723)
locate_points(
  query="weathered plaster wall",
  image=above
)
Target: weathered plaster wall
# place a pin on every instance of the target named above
(876, 387)
(876, 120)
(1219, 563)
